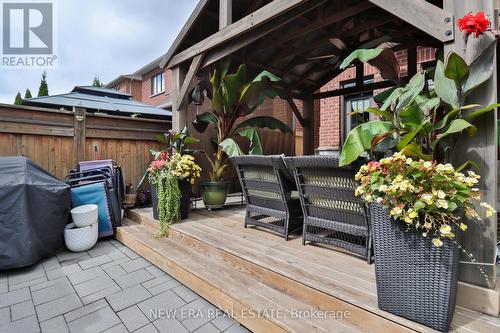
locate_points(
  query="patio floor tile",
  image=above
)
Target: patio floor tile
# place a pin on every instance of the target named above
(13, 297)
(54, 325)
(58, 307)
(22, 310)
(133, 318)
(107, 289)
(57, 290)
(86, 275)
(26, 325)
(96, 321)
(128, 297)
(133, 278)
(63, 271)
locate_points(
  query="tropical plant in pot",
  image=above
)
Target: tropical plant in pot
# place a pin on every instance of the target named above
(419, 202)
(235, 96)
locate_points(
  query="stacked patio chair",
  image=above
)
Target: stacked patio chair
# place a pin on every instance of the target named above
(100, 183)
(332, 213)
(270, 193)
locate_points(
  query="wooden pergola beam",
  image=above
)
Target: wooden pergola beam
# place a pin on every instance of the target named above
(250, 37)
(320, 24)
(354, 90)
(225, 13)
(185, 29)
(249, 22)
(193, 69)
(296, 112)
(423, 15)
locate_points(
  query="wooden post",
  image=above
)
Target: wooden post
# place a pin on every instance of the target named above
(79, 125)
(225, 13)
(480, 238)
(308, 138)
(179, 110)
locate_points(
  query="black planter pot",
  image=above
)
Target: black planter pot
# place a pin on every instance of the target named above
(415, 279)
(185, 189)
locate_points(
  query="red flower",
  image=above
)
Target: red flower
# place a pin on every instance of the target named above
(373, 165)
(476, 24)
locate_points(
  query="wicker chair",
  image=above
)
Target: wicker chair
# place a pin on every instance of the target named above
(332, 213)
(270, 192)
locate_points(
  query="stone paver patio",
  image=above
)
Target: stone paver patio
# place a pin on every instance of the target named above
(109, 288)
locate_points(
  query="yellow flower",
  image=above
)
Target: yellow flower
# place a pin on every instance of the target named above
(463, 226)
(442, 204)
(437, 242)
(396, 211)
(445, 230)
(412, 214)
(427, 225)
(427, 164)
(428, 198)
(441, 194)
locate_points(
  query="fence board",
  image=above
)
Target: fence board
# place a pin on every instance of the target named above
(46, 136)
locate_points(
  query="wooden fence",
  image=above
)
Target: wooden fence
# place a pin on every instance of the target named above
(57, 140)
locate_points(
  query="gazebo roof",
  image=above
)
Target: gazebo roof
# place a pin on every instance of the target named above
(304, 41)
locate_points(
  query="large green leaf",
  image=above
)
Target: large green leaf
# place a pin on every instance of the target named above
(384, 115)
(254, 93)
(201, 121)
(255, 144)
(362, 55)
(476, 113)
(449, 116)
(264, 75)
(414, 150)
(427, 104)
(411, 117)
(412, 90)
(230, 147)
(216, 79)
(456, 69)
(444, 87)
(233, 84)
(383, 59)
(408, 137)
(359, 139)
(381, 97)
(479, 55)
(392, 98)
(265, 122)
(456, 126)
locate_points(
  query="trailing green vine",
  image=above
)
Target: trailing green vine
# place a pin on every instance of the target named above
(169, 197)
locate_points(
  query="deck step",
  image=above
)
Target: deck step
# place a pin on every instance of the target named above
(315, 277)
(251, 302)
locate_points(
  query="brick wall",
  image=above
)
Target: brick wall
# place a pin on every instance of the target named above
(157, 99)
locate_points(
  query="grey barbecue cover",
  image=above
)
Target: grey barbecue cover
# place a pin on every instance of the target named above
(34, 209)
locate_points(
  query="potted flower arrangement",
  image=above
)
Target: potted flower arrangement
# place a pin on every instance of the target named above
(171, 175)
(418, 199)
(235, 96)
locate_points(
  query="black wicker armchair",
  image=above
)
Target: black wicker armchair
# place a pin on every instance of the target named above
(332, 213)
(270, 192)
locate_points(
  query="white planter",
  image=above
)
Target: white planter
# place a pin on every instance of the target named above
(80, 239)
(84, 215)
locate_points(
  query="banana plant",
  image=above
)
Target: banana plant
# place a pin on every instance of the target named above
(176, 140)
(418, 122)
(235, 96)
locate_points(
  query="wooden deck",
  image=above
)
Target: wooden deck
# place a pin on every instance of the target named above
(249, 271)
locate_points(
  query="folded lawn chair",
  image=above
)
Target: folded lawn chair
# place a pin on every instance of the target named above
(113, 175)
(332, 213)
(269, 191)
(94, 190)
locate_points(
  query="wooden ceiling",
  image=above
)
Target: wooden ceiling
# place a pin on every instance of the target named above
(305, 45)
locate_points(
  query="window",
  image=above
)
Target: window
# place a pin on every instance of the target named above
(356, 102)
(157, 84)
(429, 68)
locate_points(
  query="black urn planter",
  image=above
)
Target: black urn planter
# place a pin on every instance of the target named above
(415, 279)
(184, 188)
